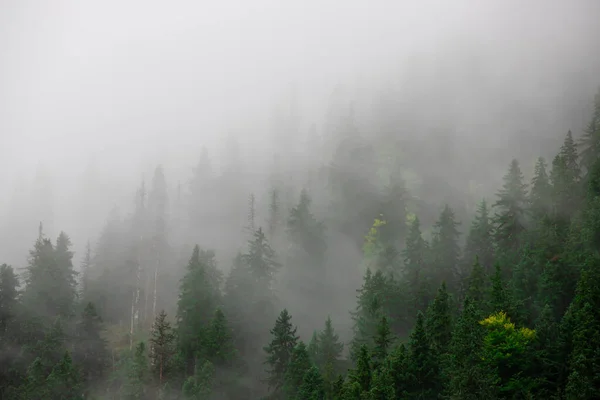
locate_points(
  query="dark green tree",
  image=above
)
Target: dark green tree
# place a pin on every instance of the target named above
(91, 353)
(312, 385)
(445, 249)
(511, 206)
(298, 366)
(279, 351)
(162, 348)
(199, 297)
(422, 368)
(480, 241)
(416, 268)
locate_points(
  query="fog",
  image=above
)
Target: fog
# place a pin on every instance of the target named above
(236, 97)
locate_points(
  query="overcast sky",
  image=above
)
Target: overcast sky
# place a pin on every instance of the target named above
(115, 76)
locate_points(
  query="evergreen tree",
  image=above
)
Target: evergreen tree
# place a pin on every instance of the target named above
(546, 354)
(383, 340)
(476, 288)
(362, 375)
(64, 382)
(8, 300)
(540, 195)
(91, 353)
(417, 273)
(137, 375)
(329, 349)
(299, 365)
(279, 351)
(591, 138)
(445, 249)
(221, 350)
(439, 323)
(162, 347)
(467, 377)
(423, 369)
(480, 241)
(199, 386)
(198, 299)
(312, 385)
(510, 219)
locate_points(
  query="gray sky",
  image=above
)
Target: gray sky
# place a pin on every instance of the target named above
(112, 77)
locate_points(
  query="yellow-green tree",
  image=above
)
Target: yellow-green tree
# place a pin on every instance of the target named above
(506, 353)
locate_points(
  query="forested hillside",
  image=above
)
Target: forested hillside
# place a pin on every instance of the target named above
(502, 304)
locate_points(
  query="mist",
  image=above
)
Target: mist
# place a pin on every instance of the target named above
(96, 97)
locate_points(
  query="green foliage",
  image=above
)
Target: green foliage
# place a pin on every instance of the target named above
(279, 351)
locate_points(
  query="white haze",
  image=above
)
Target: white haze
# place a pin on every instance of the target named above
(121, 86)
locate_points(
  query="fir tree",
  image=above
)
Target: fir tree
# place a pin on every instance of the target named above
(439, 323)
(279, 351)
(162, 347)
(476, 288)
(329, 348)
(312, 385)
(480, 239)
(423, 369)
(137, 375)
(510, 219)
(445, 249)
(199, 297)
(540, 195)
(417, 274)
(91, 353)
(8, 300)
(221, 350)
(383, 340)
(299, 365)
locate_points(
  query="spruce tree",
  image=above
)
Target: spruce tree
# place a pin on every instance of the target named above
(416, 271)
(279, 351)
(422, 368)
(299, 365)
(480, 241)
(540, 195)
(219, 341)
(162, 347)
(477, 284)
(445, 249)
(9, 284)
(136, 386)
(439, 323)
(511, 206)
(468, 379)
(382, 342)
(329, 349)
(198, 299)
(312, 386)
(91, 353)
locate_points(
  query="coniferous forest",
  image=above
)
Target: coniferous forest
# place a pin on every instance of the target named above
(500, 300)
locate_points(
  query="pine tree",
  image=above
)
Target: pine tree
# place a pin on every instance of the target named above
(91, 353)
(137, 375)
(64, 382)
(198, 299)
(279, 351)
(382, 340)
(476, 288)
(274, 218)
(439, 323)
(50, 285)
(399, 368)
(480, 239)
(312, 385)
(417, 273)
(546, 353)
(382, 386)
(8, 300)
(362, 375)
(423, 368)
(510, 219)
(298, 366)
(199, 386)
(583, 380)
(162, 347)
(469, 380)
(540, 195)
(221, 350)
(329, 349)
(445, 249)
(591, 138)
(260, 258)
